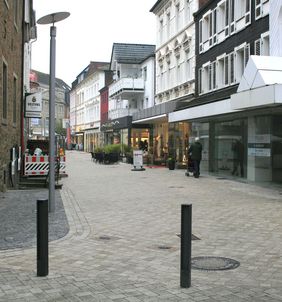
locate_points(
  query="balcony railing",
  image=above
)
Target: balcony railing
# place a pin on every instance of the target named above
(121, 112)
(128, 84)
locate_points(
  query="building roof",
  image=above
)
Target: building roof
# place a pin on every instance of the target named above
(43, 78)
(93, 67)
(132, 53)
(156, 5)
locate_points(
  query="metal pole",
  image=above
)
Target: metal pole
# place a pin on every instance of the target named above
(52, 119)
(185, 252)
(42, 238)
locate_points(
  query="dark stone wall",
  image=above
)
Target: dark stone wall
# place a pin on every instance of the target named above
(11, 52)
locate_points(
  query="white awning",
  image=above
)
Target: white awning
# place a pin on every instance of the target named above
(152, 119)
(212, 109)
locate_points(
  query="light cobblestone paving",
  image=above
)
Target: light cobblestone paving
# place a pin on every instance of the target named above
(138, 212)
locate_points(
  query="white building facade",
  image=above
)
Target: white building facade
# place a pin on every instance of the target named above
(85, 106)
(131, 91)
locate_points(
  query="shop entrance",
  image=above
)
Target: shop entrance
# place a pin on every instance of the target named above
(230, 152)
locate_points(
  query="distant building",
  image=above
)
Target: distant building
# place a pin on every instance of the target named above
(39, 127)
(17, 28)
(85, 104)
(131, 91)
(174, 81)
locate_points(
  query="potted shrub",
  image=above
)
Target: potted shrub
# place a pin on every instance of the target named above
(171, 163)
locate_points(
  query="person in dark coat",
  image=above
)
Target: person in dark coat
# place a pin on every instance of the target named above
(195, 152)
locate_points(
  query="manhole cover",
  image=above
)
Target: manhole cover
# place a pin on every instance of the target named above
(210, 263)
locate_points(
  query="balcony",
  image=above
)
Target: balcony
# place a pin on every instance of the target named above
(126, 85)
(121, 112)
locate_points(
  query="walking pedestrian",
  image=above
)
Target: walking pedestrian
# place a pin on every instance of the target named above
(195, 152)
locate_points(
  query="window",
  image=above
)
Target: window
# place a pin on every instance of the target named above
(188, 66)
(187, 10)
(168, 25)
(242, 57)
(201, 36)
(258, 47)
(15, 86)
(226, 71)
(262, 45)
(220, 72)
(265, 44)
(200, 90)
(145, 73)
(258, 8)
(161, 30)
(232, 68)
(177, 18)
(178, 71)
(4, 92)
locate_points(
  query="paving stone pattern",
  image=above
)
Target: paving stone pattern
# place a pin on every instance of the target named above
(119, 218)
(18, 218)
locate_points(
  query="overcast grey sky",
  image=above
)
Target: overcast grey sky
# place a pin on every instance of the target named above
(90, 31)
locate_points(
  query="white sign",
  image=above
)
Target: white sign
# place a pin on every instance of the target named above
(33, 105)
(264, 152)
(138, 159)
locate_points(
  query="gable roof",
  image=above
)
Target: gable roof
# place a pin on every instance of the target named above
(131, 53)
(43, 78)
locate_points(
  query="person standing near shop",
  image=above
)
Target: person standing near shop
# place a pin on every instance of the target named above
(195, 152)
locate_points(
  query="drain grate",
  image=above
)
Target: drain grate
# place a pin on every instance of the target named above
(193, 237)
(164, 247)
(210, 263)
(221, 178)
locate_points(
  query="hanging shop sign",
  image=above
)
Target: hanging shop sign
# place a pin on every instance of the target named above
(33, 105)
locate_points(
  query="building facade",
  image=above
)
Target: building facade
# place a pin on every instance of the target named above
(17, 28)
(234, 112)
(131, 91)
(85, 105)
(39, 127)
(175, 79)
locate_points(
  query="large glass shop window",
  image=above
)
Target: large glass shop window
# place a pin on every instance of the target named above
(230, 152)
(201, 130)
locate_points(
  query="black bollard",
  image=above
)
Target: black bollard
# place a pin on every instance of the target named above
(42, 238)
(185, 252)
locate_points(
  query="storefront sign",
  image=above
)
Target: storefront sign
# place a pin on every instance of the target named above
(33, 105)
(259, 149)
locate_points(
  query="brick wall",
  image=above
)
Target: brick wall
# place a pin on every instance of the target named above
(11, 54)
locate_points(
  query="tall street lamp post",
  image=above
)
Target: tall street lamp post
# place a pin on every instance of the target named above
(51, 19)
